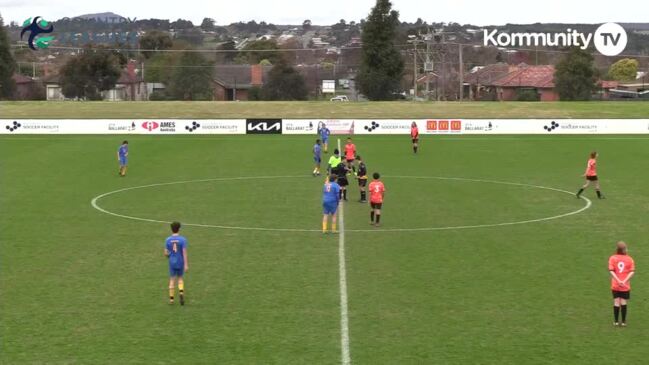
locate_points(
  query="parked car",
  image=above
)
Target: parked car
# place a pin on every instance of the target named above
(339, 98)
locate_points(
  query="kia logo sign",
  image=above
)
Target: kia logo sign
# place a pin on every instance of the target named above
(263, 126)
(150, 126)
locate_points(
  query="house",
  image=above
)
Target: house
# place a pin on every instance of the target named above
(429, 82)
(536, 79)
(233, 82)
(129, 87)
(605, 87)
(24, 86)
(480, 80)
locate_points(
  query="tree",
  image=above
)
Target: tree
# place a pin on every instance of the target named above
(574, 77)
(226, 57)
(181, 24)
(155, 40)
(306, 25)
(284, 83)
(7, 65)
(192, 36)
(207, 24)
(87, 75)
(625, 69)
(192, 78)
(259, 50)
(381, 64)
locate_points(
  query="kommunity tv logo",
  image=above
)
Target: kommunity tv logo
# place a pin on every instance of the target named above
(36, 27)
(610, 39)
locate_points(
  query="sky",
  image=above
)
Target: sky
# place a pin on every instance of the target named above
(478, 12)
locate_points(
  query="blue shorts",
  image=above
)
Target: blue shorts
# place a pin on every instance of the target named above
(329, 208)
(317, 159)
(325, 140)
(122, 161)
(176, 272)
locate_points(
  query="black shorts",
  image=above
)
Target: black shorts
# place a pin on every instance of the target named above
(621, 294)
(362, 182)
(350, 161)
(342, 181)
(415, 140)
(591, 178)
(376, 205)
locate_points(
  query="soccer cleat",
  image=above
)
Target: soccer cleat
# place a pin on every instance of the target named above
(171, 301)
(623, 324)
(616, 323)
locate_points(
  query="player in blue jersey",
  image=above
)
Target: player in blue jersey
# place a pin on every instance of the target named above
(317, 157)
(122, 156)
(176, 251)
(324, 133)
(330, 200)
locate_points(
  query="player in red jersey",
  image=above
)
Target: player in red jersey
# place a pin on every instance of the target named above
(377, 192)
(350, 154)
(622, 268)
(591, 175)
(414, 134)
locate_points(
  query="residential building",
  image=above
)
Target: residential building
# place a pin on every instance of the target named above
(233, 82)
(538, 79)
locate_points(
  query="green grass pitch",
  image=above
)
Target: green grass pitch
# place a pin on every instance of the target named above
(322, 110)
(78, 286)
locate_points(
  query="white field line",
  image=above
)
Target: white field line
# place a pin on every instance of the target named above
(344, 318)
(95, 204)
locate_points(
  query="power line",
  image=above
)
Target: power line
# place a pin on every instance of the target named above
(343, 48)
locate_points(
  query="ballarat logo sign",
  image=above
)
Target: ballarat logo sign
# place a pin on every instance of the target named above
(610, 39)
(263, 126)
(36, 27)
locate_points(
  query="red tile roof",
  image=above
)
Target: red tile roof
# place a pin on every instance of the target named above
(21, 79)
(528, 76)
(488, 74)
(604, 84)
(126, 78)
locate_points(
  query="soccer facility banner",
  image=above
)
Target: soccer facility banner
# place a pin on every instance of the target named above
(311, 126)
(383, 126)
(533, 126)
(122, 126)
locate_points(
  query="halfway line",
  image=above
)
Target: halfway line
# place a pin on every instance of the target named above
(344, 318)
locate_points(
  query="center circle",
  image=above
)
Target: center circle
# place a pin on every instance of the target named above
(261, 179)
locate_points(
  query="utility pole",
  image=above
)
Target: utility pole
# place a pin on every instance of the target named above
(414, 40)
(427, 67)
(461, 69)
(414, 64)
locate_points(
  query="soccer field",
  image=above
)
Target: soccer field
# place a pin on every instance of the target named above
(484, 255)
(322, 109)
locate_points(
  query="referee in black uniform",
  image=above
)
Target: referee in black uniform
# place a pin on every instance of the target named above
(362, 178)
(341, 171)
